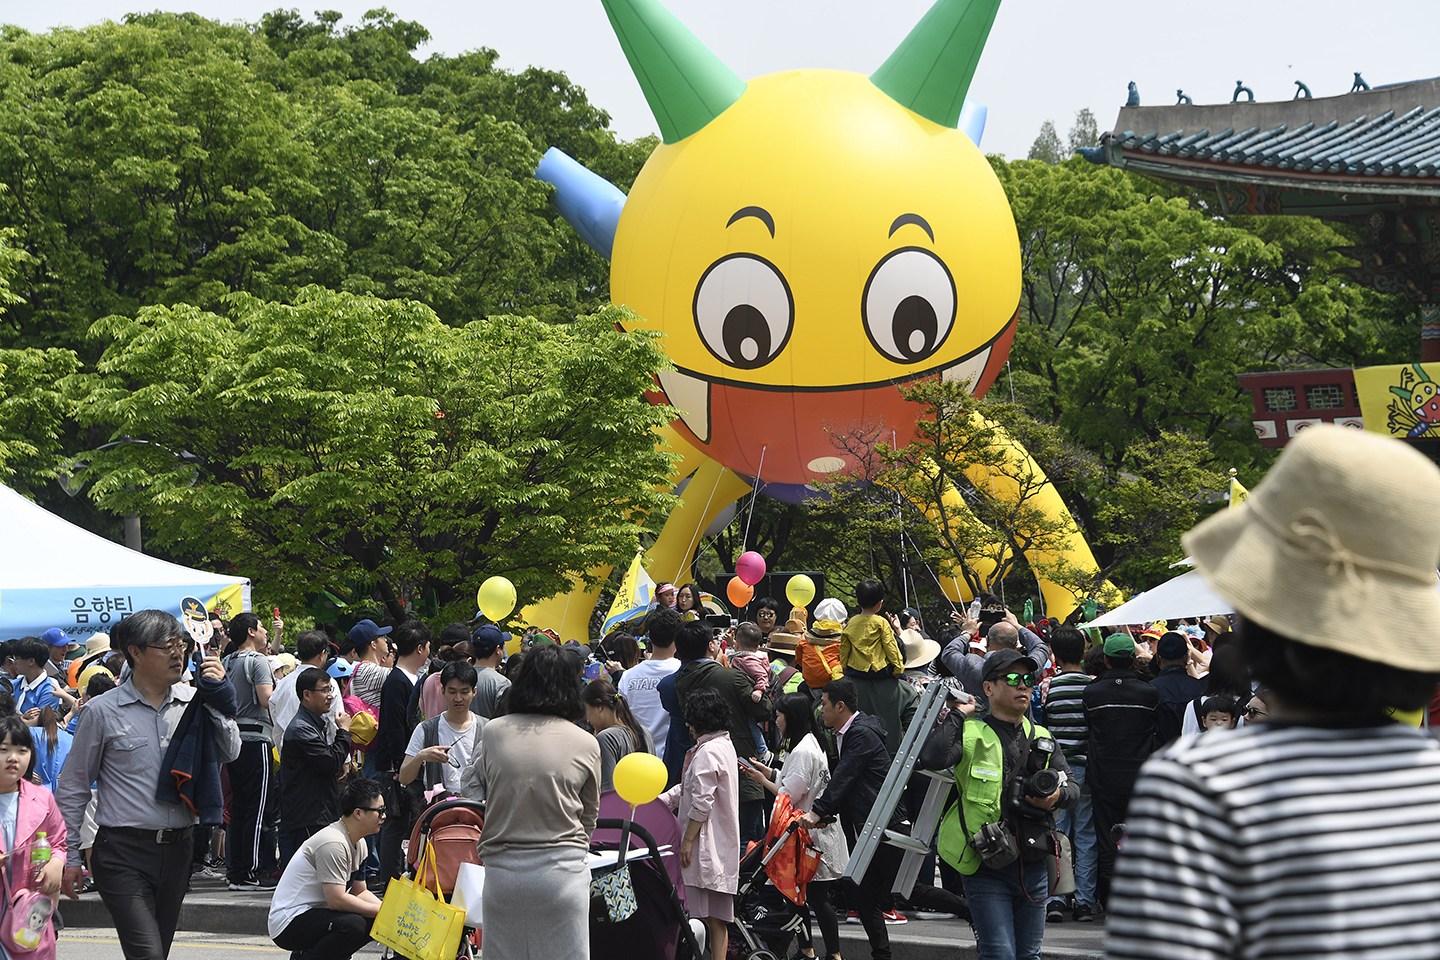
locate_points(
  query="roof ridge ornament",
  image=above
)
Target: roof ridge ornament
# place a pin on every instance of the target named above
(1239, 89)
(1181, 98)
(1302, 92)
(1359, 86)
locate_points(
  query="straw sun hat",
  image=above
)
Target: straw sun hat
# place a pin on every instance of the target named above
(1341, 538)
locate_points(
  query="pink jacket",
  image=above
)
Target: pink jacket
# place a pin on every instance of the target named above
(36, 811)
(709, 793)
(754, 665)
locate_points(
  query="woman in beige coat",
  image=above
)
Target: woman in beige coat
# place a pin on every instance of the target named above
(708, 798)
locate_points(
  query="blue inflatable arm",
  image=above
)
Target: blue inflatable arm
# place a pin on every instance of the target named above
(972, 120)
(588, 202)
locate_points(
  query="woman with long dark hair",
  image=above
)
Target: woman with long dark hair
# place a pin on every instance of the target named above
(804, 775)
(542, 776)
(616, 729)
(52, 746)
(687, 602)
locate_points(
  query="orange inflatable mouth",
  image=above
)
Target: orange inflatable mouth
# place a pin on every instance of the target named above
(794, 428)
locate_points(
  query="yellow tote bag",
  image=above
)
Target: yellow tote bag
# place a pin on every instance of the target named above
(415, 923)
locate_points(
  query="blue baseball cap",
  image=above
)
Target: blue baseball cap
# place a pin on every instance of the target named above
(55, 637)
(340, 668)
(486, 638)
(366, 630)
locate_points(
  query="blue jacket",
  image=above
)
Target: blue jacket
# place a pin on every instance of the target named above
(190, 773)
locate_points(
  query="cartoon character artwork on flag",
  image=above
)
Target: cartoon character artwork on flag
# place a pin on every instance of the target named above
(1401, 400)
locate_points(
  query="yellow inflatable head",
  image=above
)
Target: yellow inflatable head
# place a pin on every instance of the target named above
(811, 239)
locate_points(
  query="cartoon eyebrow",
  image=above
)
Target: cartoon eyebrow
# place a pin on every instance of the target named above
(761, 214)
(914, 218)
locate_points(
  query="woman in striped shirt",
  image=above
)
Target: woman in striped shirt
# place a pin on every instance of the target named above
(1314, 832)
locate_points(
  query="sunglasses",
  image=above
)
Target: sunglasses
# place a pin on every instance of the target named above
(1252, 712)
(1020, 679)
(379, 810)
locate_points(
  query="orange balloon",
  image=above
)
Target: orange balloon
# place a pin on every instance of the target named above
(739, 591)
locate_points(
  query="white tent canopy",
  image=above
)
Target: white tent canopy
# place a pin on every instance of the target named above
(55, 574)
(1188, 595)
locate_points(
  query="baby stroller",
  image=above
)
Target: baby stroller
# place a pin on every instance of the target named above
(452, 827)
(767, 920)
(660, 929)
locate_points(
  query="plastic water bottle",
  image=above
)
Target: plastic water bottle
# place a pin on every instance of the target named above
(39, 856)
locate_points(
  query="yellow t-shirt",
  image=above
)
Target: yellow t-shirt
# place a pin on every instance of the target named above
(869, 645)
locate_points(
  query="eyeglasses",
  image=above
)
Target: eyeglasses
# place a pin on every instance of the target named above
(766, 615)
(1253, 712)
(178, 645)
(1020, 679)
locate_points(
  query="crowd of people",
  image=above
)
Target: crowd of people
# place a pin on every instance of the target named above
(1183, 773)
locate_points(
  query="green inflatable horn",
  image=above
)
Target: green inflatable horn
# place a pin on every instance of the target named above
(931, 70)
(685, 84)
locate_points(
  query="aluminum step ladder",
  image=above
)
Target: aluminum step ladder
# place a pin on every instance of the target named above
(916, 844)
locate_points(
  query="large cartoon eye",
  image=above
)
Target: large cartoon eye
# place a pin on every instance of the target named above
(908, 305)
(744, 311)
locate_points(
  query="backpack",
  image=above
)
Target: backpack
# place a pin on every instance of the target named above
(364, 722)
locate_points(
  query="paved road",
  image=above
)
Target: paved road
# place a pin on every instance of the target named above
(100, 944)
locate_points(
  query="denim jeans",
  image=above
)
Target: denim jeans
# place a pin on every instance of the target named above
(1009, 919)
(1078, 823)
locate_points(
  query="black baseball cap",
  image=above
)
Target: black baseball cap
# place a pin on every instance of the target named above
(1008, 661)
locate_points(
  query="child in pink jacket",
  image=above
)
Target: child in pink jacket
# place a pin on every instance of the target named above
(708, 799)
(750, 661)
(26, 810)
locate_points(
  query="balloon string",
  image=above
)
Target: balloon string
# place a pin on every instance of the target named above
(699, 531)
(745, 540)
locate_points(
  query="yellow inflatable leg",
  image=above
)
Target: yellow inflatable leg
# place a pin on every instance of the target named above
(1064, 548)
(712, 488)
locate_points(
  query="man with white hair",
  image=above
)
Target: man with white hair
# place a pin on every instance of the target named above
(1313, 831)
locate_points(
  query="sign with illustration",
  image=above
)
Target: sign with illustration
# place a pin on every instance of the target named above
(1401, 400)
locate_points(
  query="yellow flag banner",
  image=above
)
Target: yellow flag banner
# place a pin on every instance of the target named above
(634, 597)
(1401, 400)
(1238, 493)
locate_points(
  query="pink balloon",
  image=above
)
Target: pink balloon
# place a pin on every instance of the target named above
(750, 567)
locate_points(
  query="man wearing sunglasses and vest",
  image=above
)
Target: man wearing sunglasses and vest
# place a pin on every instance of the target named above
(1010, 774)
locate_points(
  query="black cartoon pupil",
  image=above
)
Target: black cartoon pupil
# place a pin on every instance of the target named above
(746, 336)
(915, 327)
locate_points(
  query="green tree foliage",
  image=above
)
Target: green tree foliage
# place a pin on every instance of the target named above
(32, 406)
(1138, 308)
(1047, 147)
(348, 440)
(1085, 132)
(170, 159)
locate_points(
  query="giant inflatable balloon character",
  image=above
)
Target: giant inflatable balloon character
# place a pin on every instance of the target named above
(805, 241)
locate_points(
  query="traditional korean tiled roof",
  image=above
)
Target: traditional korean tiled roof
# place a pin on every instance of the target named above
(1387, 136)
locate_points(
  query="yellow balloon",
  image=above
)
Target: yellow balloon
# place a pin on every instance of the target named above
(496, 598)
(640, 777)
(800, 590)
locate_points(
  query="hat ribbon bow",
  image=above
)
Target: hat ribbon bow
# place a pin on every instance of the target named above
(1311, 533)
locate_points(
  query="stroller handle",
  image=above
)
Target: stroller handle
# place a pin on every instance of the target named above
(611, 823)
(444, 805)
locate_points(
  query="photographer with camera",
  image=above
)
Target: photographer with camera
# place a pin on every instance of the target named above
(1011, 774)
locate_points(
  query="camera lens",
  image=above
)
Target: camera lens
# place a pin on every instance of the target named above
(1042, 783)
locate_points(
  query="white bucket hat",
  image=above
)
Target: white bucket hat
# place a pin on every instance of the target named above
(1343, 533)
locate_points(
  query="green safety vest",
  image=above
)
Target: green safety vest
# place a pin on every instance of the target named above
(980, 779)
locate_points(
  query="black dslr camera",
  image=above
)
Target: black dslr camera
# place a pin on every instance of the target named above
(1037, 780)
